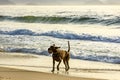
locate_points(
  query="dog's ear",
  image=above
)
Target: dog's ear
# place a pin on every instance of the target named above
(57, 47)
(53, 45)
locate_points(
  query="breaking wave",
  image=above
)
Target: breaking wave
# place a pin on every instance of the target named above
(63, 35)
(93, 57)
(27, 50)
(64, 20)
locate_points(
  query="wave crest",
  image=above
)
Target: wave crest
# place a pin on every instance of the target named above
(63, 35)
(64, 20)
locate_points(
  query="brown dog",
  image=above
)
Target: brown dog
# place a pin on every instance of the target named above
(59, 55)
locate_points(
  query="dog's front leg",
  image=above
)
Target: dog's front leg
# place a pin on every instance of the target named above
(53, 66)
(58, 65)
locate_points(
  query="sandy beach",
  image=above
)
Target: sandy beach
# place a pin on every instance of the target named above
(17, 74)
(17, 66)
(8, 73)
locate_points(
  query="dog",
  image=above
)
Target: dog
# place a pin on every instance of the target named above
(59, 55)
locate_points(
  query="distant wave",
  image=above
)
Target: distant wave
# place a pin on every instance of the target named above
(63, 35)
(93, 57)
(64, 20)
(27, 50)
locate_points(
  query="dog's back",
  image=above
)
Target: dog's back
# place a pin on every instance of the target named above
(62, 53)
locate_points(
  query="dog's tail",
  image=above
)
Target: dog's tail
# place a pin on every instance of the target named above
(68, 46)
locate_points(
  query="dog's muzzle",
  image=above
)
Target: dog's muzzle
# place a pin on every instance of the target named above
(49, 51)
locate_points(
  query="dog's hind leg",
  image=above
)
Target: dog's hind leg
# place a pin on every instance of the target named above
(67, 61)
(58, 65)
(68, 67)
(65, 64)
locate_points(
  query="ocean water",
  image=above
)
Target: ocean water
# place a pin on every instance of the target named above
(93, 31)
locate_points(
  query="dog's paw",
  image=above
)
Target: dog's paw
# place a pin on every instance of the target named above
(52, 70)
(57, 68)
(66, 69)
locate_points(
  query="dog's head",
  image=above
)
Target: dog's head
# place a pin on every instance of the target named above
(52, 49)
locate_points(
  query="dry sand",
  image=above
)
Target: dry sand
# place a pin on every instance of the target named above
(17, 74)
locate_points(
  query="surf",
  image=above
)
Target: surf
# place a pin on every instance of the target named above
(85, 19)
(63, 35)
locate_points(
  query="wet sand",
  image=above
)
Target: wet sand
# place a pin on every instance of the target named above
(17, 74)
